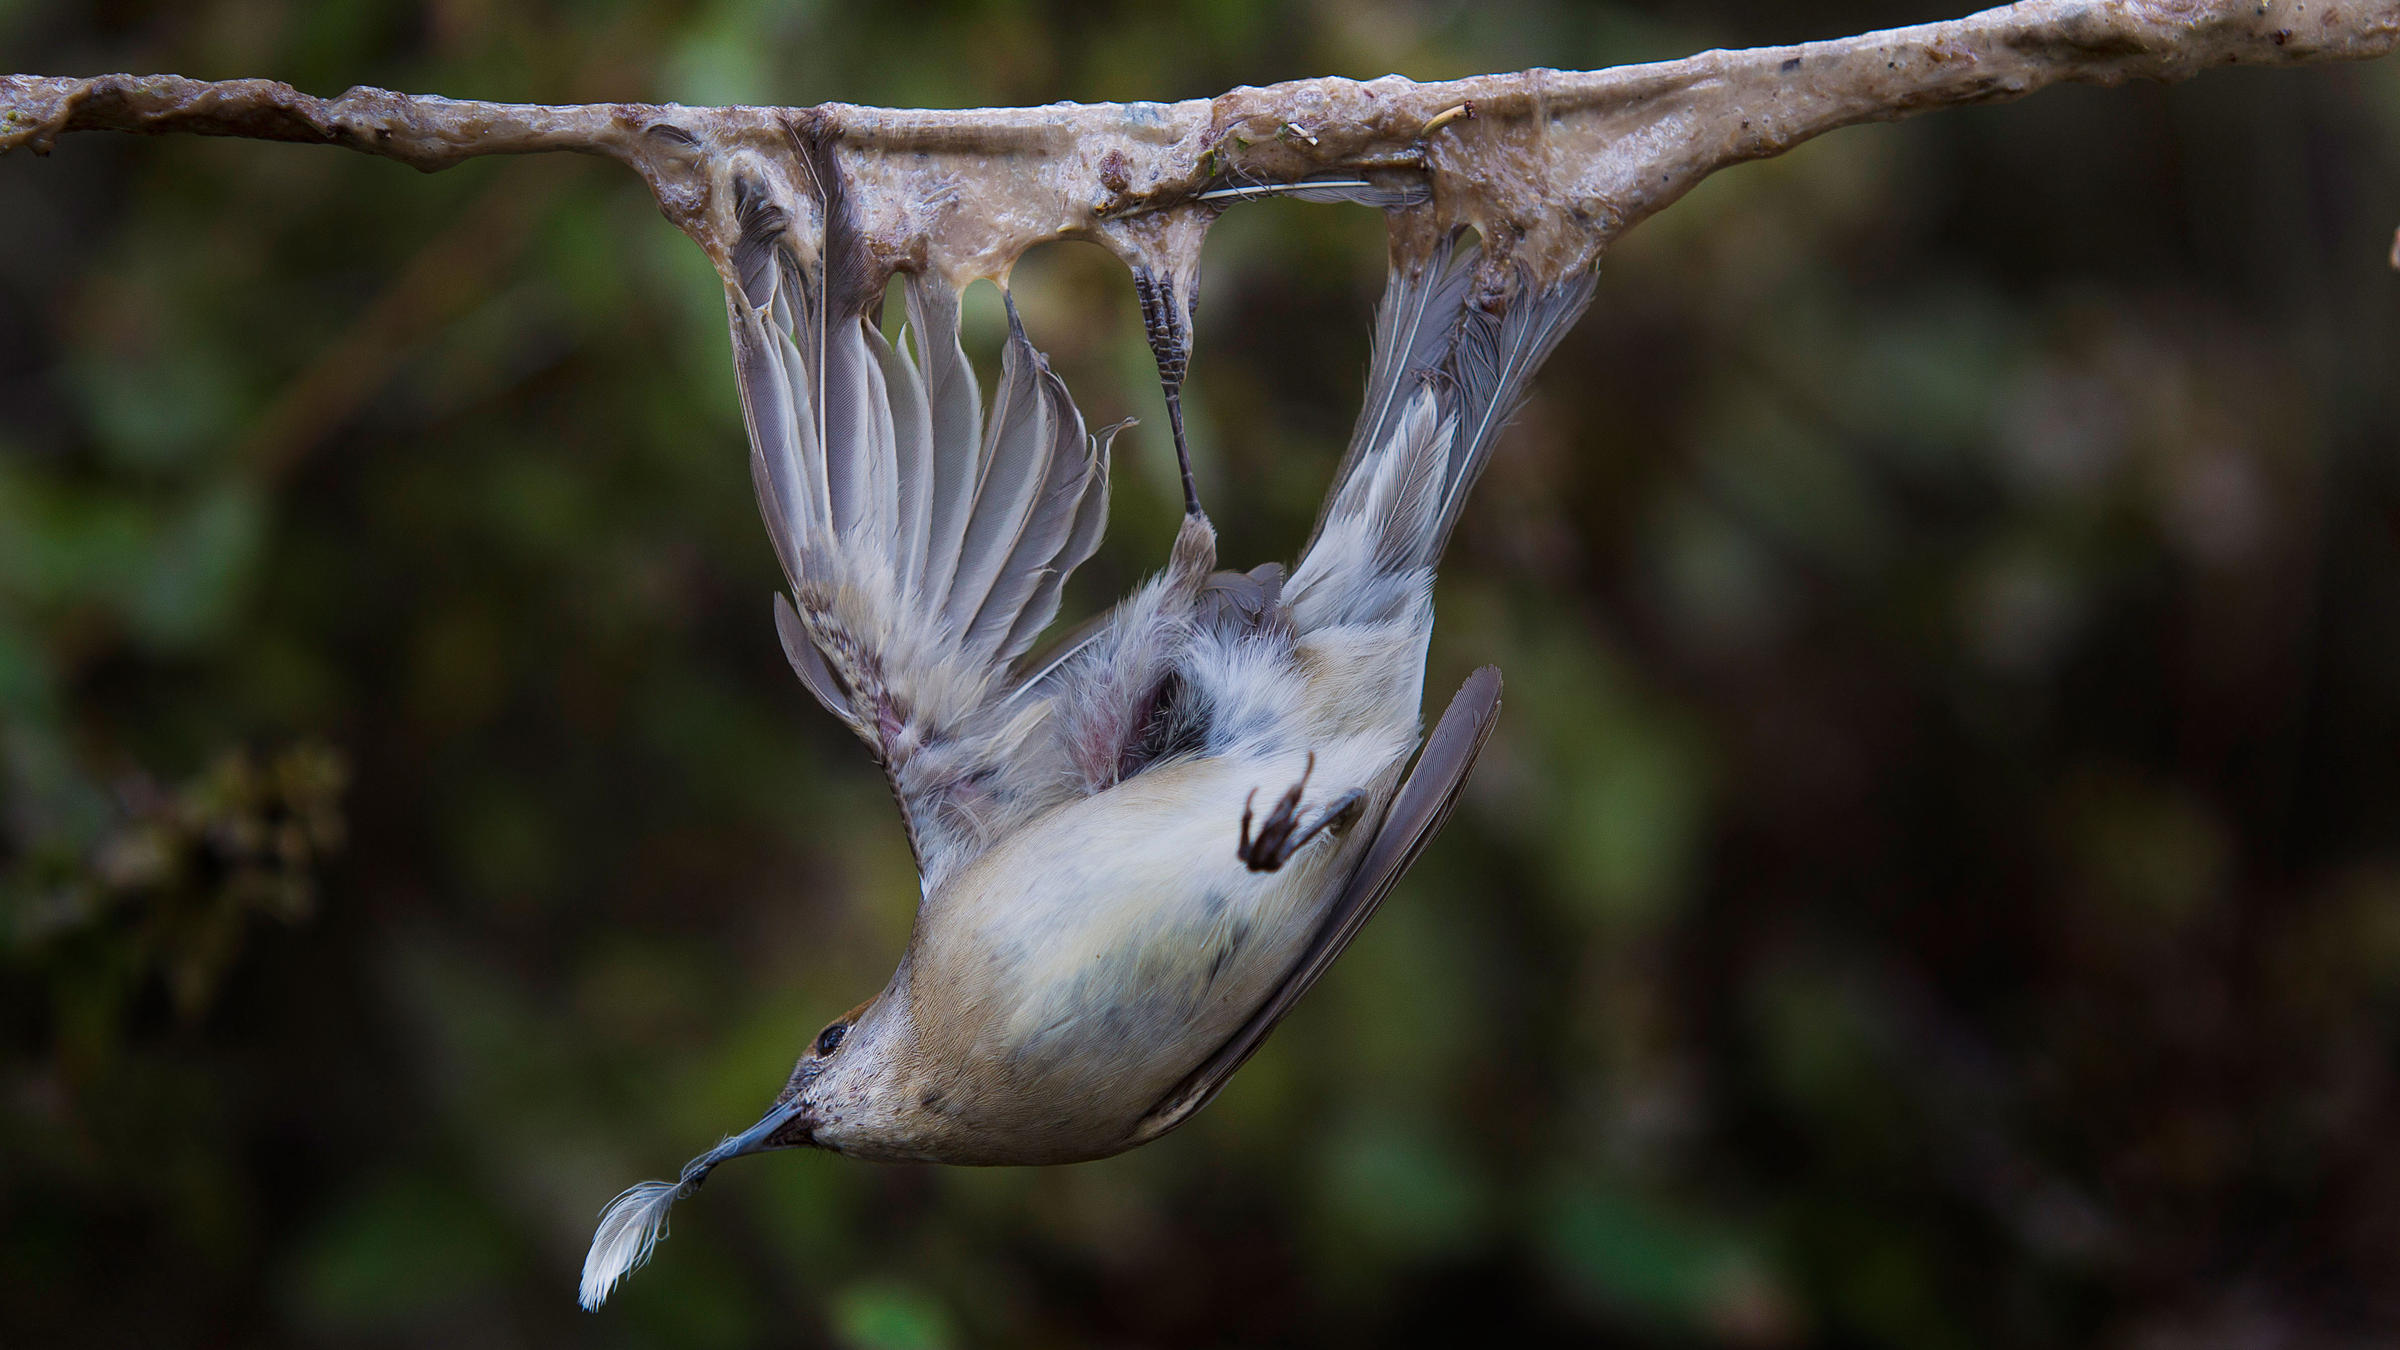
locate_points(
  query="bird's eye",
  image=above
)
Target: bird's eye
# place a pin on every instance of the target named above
(830, 1039)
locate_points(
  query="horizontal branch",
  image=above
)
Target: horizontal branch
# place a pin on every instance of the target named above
(1549, 166)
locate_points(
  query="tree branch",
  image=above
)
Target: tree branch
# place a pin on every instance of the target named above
(1548, 166)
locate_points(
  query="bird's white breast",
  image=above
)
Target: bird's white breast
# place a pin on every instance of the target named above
(1095, 957)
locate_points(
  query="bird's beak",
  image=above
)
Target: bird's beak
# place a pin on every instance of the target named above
(785, 1125)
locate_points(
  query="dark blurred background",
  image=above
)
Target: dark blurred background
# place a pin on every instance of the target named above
(1936, 882)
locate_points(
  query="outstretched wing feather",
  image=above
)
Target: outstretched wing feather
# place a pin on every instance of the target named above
(926, 544)
(912, 460)
(955, 411)
(1083, 539)
(809, 664)
(1043, 529)
(1019, 440)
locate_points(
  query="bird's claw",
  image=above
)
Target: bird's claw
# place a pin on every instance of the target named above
(1281, 834)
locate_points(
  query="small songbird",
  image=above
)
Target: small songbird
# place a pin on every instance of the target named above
(1139, 853)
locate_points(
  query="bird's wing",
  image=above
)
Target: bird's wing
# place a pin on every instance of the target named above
(1417, 813)
(925, 543)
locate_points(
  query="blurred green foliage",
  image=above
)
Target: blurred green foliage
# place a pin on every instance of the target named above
(1935, 883)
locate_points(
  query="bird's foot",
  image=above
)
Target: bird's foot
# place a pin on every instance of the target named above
(1281, 834)
(1166, 317)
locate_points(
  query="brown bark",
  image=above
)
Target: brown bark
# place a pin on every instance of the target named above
(1548, 166)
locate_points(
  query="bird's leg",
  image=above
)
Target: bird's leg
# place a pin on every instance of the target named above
(1281, 834)
(1166, 318)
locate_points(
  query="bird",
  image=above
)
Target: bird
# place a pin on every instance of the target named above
(1138, 852)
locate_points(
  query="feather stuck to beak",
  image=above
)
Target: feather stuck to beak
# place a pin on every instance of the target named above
(636, 1221)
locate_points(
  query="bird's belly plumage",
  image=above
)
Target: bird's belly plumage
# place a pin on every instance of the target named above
(1101, 987)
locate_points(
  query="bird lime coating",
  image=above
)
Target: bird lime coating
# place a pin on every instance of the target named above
(1138, 854)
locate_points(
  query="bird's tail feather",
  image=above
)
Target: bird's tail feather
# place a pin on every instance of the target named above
(1492, 360)
(1447, 373)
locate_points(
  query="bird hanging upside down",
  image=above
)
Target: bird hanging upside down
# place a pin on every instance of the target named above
(1137, 856)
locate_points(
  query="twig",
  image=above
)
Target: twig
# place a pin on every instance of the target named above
(1549, 166)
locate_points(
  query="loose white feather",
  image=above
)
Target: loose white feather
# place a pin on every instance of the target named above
(632, 1224)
